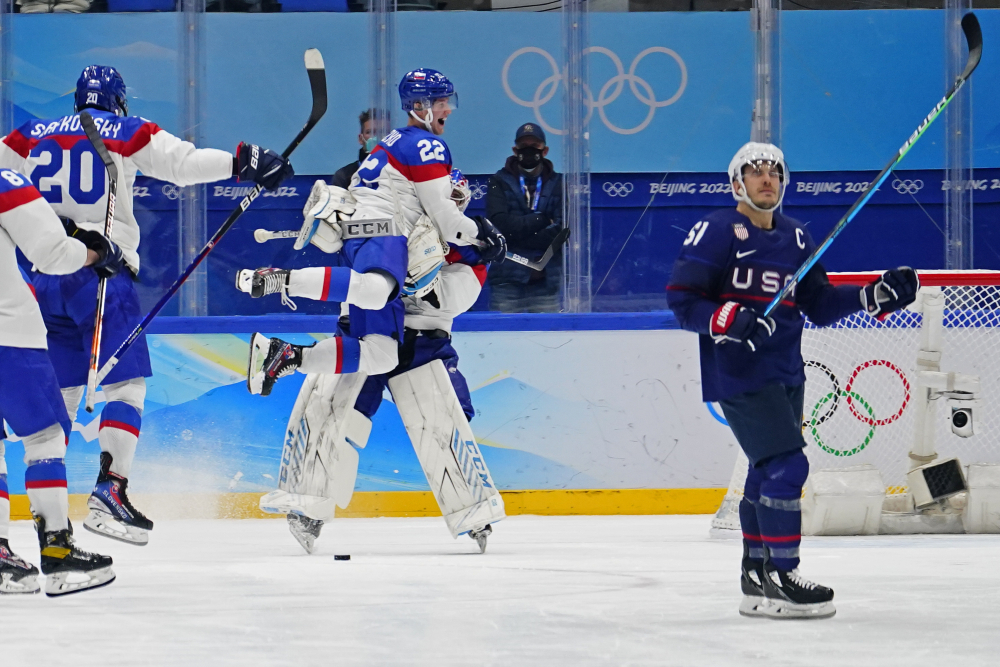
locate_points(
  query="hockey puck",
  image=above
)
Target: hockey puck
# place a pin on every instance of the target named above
(342, 557)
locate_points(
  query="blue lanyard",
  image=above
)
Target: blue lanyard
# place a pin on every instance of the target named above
(538, 191)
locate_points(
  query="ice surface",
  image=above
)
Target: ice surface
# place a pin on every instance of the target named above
(549, 591)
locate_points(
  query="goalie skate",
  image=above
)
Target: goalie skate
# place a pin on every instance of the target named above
(480, 536)
(16, 575)
(305, 531)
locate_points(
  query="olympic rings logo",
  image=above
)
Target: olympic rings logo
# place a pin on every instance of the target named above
(609, 92)
(478, 190)
(908, 187)
(827, 406)
(618, 189)
(171, 191)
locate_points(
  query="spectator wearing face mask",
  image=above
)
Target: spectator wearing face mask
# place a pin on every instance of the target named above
(368, 140)
(525, 202)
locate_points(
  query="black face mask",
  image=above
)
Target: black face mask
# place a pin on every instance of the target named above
(529, 157)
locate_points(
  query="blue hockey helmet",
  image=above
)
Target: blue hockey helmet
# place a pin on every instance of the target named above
(425, 85)
(101, 87)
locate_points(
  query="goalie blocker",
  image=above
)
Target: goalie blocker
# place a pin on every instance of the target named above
(319, 462)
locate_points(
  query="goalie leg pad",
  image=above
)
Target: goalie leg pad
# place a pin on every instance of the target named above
(447, 449)
(319, 461)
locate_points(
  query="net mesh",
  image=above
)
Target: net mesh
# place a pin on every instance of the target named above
(861, 380)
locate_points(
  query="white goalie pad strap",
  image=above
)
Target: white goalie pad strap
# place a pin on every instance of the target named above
(319, 461)
(446, 448)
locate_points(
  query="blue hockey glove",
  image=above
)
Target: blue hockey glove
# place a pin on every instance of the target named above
(109, 255)
(733, 322)
(496, 245)
(262, 166)
(895, 289)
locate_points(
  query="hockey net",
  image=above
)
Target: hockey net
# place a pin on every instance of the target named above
(861, 381)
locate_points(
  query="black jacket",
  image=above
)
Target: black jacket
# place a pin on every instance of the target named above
(528, 232)
(342, 179)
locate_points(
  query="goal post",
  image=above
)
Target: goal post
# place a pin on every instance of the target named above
(885, 394)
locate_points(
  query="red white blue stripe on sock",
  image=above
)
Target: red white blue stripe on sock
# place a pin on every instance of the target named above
(4, 494)
(46, 474)
(336, 283)
(123, 416)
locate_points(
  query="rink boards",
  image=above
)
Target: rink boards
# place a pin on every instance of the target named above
(598, 414)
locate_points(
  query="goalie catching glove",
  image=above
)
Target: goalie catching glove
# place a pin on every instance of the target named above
(326, 206)
(895, 289)
(733, 322)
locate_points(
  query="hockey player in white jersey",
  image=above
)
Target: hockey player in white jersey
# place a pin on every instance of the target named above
(51, 152)
(406, 180)
(30, 401)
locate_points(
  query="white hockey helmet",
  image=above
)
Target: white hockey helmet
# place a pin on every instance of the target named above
(461, 194)
(753, 153)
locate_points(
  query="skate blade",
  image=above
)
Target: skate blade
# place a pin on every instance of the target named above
(753, 606)
(259, 346)
(481, 541)
(305, 540)
(102, 523)
(782, 610)
(25, 585)
(76, 581)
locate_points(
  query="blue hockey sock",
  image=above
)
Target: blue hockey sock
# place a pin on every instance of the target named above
(779, 507)
(45, 482)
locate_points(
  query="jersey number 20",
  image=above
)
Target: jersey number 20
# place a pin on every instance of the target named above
(54, 194)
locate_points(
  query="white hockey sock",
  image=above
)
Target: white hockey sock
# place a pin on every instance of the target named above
(374, 354)
(72, 397)
(45, 476)
(121, 421)
(369, 290)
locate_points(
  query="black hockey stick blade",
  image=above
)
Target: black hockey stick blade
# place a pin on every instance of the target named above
(974, 38)
(317, 85)
(557, 242)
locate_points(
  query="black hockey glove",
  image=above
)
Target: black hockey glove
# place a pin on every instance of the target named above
(895, 289)
(496, 245)
(109, 255)
(733, 322)
(262, 166)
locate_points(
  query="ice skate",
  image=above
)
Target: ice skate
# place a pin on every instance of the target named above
(791, 596)
(481, 535)
(270, 359)
(752, 583)
(16, 574)
(112, 513)
(261, 282)
(68, 569)
(305, 531)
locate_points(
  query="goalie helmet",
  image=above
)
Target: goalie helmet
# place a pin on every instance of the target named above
(461, 194)
(753, 154)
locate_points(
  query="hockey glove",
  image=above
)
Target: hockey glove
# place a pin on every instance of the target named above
(895, 289)
(109, 255)
(262, 166)
(496, 245)
(733, 322)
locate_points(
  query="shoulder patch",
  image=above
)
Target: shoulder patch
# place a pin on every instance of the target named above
(741, 231)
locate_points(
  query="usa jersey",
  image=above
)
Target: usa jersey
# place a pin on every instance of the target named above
(27, 222)
(409, 172)
(65, 167)
(726, 258)
(461, 280)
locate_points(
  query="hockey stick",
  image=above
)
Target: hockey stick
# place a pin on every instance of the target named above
(87, 121)
(558, 241)
(317, 83)
(974, 37)
(265, 235)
